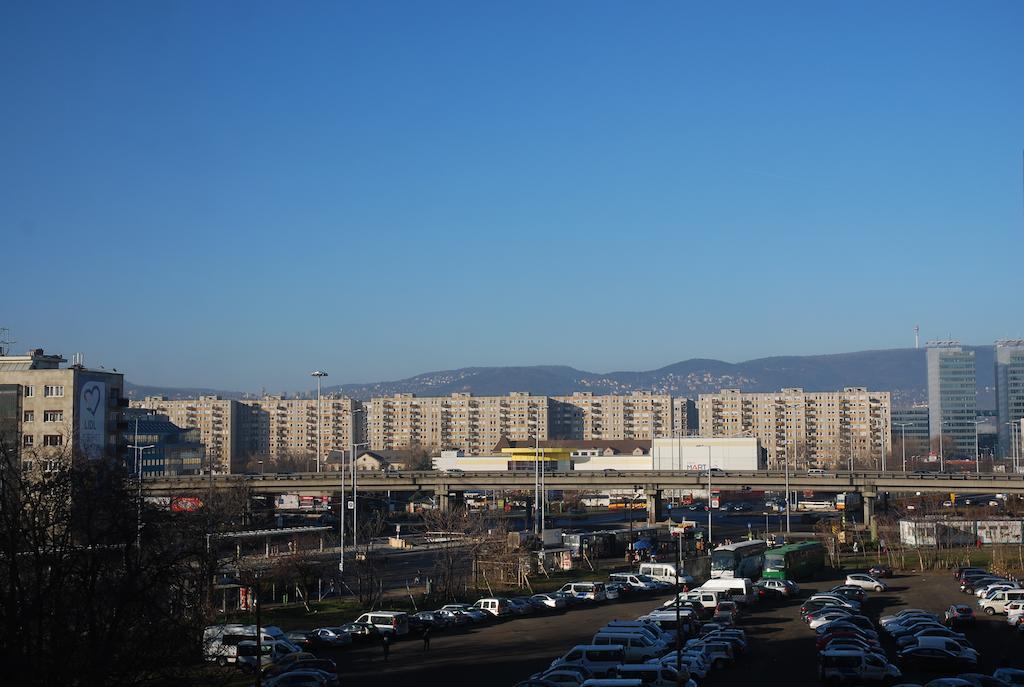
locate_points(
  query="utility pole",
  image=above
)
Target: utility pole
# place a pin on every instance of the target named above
(903, 441)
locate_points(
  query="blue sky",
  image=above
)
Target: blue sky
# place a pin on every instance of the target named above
(232, 194)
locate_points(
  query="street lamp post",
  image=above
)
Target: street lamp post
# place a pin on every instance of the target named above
(977, 453)
(788, 497)
(942, 451)
(139, 452)
(355, 495)
(903, 441)
(319, 374)
(709, 499)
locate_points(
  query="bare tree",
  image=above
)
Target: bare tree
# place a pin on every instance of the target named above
(86, 596)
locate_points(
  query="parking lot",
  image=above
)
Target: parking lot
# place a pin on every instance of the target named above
(780, 644)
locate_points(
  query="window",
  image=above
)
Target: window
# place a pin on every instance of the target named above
(30, 416)
(53, 391)
(53, 416)
(28, 441)
(30, 391)
(53, 440)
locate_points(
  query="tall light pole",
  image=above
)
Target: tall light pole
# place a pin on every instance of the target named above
(139, 452)
(788, 496)
(537, 483)
(942, 451)
(977, 453)
(319, 374)
(355, 494)
(903, 440)
(709, 499)
(352, 466)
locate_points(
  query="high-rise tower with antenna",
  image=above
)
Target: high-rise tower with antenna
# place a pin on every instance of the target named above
(917, 336)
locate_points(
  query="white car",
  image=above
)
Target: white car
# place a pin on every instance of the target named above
(866, 582)
(996, 586)
(826, 618)
(906, 612)
(693, 661)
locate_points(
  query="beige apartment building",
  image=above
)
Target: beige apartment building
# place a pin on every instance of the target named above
(287, 426)
(639, 415)
(829, 429)
(474, 424)
(225, 426)
(52, 412)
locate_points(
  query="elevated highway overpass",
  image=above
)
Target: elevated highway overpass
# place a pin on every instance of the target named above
(451, 484)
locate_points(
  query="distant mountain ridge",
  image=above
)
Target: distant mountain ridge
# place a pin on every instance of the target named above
(899, 370)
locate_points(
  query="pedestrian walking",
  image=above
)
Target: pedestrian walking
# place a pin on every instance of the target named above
(426, 638)
(385, 643)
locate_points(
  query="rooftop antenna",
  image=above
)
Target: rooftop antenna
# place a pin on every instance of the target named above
(4, 342)
(917, 336)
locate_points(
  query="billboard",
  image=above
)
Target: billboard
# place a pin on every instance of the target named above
(92, 419)
(185, 504)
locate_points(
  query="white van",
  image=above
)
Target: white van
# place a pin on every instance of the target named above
(708, 599)
(637, 581)
(497, 607)
(636, 647)
(600, 660)
(646, 627)
(220, 642)
(665, 572)
(997, 603)
(394, 623)
(741, 590)
(270, 653)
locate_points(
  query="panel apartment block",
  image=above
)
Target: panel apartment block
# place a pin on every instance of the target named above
(474, 424)
(810, 429)
(640, 415)
(287, 426)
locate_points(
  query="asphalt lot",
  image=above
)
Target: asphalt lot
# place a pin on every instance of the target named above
(781, 646)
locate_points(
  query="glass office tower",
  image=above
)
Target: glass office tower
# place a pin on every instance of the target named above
(952, 398)
(1009, 389)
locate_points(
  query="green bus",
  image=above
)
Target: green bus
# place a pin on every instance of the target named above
(794, 561)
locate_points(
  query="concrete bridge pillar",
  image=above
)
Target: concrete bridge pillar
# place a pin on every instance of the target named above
(448, 500)
(654, 503)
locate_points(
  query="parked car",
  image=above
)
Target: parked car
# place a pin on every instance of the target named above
(360, 632)
(880, 571)
(938, 654)
(325, 668)
(959, 615)
(520, 607)
(825, 618)
(600, 660)
(850, 592)
(906, 612)
(496, 606)
(394, 623)
(858, 621)
(588, 591)
(847, 665)
(474, 614)
(1011, 676)
(980, 680)
(865, 581)
(552, 601)
(907, 640)
(300, 678)
(329, 638)
(432, 619)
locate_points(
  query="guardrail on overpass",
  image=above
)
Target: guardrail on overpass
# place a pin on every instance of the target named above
(867, 482)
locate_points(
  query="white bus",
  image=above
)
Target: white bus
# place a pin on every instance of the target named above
(743, 559)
